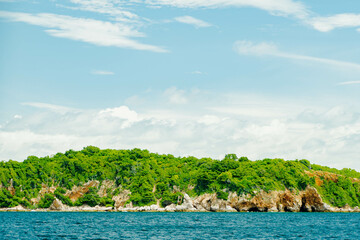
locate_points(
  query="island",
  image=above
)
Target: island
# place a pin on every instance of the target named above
(137, 180)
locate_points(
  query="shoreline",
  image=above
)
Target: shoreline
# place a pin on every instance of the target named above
(152, 208)
(308, 200)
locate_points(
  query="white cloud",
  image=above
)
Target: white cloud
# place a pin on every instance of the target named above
(276, 7)
(84, 29)
(51, 107)
(210, 120)
(197, 72)
(324, 134)
(18, 116)
(193, 21)
(270, 49)
(175, 96)
(102, 72)
(349, 83)
(122, 112)
(326, 24)
(110, 7)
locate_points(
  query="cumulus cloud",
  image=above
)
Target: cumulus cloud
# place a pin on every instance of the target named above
(270, 49)
(326, 24)
(84, 29)
(276, 7)
(193, 21)
(123, 113)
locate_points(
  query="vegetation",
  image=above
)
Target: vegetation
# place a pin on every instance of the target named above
(151, 177)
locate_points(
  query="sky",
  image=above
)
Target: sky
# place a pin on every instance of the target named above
(262, 79)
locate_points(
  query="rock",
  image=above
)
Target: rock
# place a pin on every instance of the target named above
(306, 208)
(308, 200)
(105, 185)
(170, 208)
(129, 205)
(187, 199)
(204, 201)
(57, 205)
(214, 207)
(312, 201)
(290, 201)
(78, 191)
(280, 207)
(11, 188)
(180, 208)
(17, 208)
(121, 199)
(273, 209)
(44, 189)
(156, 208)
(346, 208)
(229, 209)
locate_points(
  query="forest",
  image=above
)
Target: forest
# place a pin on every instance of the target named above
(151, 177)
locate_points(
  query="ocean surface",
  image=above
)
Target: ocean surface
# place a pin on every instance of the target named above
(82, 225)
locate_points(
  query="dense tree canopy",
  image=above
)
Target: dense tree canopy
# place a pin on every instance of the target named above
(151, 177)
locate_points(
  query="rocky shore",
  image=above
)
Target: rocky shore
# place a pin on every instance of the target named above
(308, 200)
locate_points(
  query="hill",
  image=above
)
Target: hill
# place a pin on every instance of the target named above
(139, 178)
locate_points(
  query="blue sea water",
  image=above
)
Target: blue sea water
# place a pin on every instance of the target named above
(83, 225)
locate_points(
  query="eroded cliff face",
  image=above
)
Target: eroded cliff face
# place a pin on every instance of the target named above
(308, 200)
(44, 189)
(105, 185)
(78, 191)
(121, 198)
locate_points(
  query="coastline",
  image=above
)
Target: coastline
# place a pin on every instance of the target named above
(149, 209)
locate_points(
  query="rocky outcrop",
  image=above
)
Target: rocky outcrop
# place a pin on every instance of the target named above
(105, 185)
(57, 205)
(308, 200)
(11, 188)
(210, 202)
(78, 191)
(44, 189)
(121, 199)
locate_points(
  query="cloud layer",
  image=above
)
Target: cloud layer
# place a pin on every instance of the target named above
(196, 123)
(193, 21)
(270, 49)
(84, 29)
(276, 7)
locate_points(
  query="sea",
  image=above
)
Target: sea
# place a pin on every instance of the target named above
(142, 225)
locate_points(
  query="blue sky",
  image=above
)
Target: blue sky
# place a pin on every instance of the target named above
(270, 78)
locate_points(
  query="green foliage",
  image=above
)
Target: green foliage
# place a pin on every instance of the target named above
(107, 201)
(341, 193)
(169, 198)
(59, 193)
(151, 177)
(46, 201)
(6, 199)
(222, 195)
(91, 198)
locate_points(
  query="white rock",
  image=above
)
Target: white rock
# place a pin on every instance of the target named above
(170, 208)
